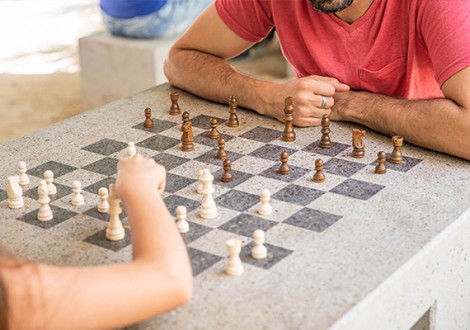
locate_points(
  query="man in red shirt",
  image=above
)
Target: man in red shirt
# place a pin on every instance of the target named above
(398, 67)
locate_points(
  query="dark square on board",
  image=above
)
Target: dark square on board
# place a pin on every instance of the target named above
(246, 224)
(195, 231)
(58, 169)
(204, 122)
(271, 152)
(262, 134)
(106, 166)
(159, 143)
(60, 215)
(158, 125)
(210, 157)
(200, 260)
(357, 189)
(106, 147)
(296, 194)
(342, 167)
(169, 161)
(62, 191)
(314, 220)
(93, 188)
(176, 182)
(237, 200)
(408, 163)
(206, 140)
(100, 240)
(335, 150)
(93, 212)
(275, 254)
(295, 173)
(238, 178)
(3, 195)
(173, 201)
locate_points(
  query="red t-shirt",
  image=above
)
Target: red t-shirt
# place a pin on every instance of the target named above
(405, 48)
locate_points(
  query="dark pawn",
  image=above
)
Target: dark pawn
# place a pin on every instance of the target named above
(185, 117)
(221, 154)
(319, 176)
(325, 141)
(233, 119)
(284, 168)
(380, 168)
(175, 108)
(214, 134)
(227, 175)
(396, 157)
(289, 133)
(148, 123)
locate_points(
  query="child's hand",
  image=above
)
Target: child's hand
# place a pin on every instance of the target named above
(137, 175)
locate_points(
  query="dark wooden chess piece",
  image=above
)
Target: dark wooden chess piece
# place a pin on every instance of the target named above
(175, 108)
(325, 141)
(187, 139)
(233, 119)
(214, 133)
(221, 154)
(227, 175)
(396, 157)
(289, 133)
(148, 122)
(284, 168)
(380, 168)
(358, 143)
(319, 176)
(185, 117)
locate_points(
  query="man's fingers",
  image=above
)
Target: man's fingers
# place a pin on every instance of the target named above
(338, 86)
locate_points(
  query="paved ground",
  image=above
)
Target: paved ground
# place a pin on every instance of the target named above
(39, 70)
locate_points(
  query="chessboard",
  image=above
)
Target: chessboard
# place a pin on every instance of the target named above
(305, 214)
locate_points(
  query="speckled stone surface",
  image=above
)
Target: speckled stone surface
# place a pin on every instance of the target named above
(330, 245)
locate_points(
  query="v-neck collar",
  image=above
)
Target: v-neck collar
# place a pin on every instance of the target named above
(360, 21)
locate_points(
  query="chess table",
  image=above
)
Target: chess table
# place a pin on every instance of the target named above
(359, 251)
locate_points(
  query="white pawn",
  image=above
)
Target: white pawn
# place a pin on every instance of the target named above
(181, 223)
(131, 150)
(265, 208)
(208, 208)
(45, 212)
(103, 205)
(77, 198)
(49, 177)
(234, 264)
(259, 251)
(14, 192)
(115, 230)
(199, 185)
(24, 179)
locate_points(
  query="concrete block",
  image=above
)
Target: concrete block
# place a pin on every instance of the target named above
(115, 67)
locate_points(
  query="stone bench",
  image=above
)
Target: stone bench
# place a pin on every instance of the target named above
(115, 67)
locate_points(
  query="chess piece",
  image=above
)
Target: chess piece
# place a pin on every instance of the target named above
(148, 122)
(131, 150)
(289, 133)
(24, 178)
(185, 118)
(114, 230)
(45, 212)
(199, 184)
(265, 208)
(187, 139)
(77, 198)
(233, 119)
(259, 251)
(284, 168)
(14, 192)
(396, 157)
(174, 108)
(380, 168)
(49, 177)
(319, 176)
(325, 141)
(208, 208)
(181, 223)
(221, 154)
(234, 265)
(214, 133)
(103, 205)
(358, 143)
(227, 175)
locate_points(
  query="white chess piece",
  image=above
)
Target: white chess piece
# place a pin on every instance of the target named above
(103, 205)
(77, 198)
(115, 230)
(45, 212)
(199, 184)
(234, 264)
(14, 192)
(24, 178)
(49, 177)
(181, 223)
(208, 208)
(131, 150)
(259, 251)
(265, 208)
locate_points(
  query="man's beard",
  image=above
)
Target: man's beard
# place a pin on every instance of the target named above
(330, 6)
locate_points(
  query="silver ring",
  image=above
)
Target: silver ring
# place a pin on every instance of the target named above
(324, 101)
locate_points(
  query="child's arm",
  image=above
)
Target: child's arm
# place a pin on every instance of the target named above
(157, 280)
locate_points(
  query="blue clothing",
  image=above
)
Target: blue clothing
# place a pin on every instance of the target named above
(173, 18)
(131, 8)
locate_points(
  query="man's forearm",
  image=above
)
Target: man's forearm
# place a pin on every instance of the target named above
(437, 124)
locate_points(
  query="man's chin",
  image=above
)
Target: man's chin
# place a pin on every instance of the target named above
(331, 6)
